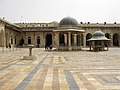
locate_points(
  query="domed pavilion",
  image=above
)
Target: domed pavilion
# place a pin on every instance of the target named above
(68, 35)
(98, 42)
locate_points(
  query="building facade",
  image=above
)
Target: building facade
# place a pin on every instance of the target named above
(68, 33)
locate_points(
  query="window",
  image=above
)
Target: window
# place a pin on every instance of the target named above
(29, 40)
(11, 40)
(38, 40)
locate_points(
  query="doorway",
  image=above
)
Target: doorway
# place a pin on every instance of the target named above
(115, 39)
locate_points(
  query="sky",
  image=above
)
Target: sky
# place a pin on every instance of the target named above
(94, 11)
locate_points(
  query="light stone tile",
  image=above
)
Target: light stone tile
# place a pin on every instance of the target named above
(79, 82)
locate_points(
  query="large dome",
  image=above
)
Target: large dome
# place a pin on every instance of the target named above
(68, 21)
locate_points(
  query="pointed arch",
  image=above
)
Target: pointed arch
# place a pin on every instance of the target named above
(38, 39)
(29, 40)
(11, 39)
(88, 36)
(116, 39)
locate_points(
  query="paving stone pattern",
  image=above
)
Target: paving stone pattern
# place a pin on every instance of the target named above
(57, 70)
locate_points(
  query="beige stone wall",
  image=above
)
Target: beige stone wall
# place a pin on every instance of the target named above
(7, 34)
(2, 36)
(11, 34)
(5, 37)
(109, 30)
(33, 35)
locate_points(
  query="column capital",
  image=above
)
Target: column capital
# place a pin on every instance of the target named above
(69, 32)
(75, 34)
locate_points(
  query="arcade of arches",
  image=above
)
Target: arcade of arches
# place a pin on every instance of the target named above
(76, 39)
(68, 34)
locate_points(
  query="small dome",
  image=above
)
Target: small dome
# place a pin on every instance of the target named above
(68, 21)
(98, 34)
(55, 23)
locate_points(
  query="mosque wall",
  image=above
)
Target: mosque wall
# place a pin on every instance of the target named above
(36, 33)
(12, 37)
(107, 30)
(42, 36)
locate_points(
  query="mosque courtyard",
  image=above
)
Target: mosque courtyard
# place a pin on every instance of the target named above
(57, 70)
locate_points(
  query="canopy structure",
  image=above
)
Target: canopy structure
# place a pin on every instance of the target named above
(69, 39)
(98, 42)
(68, 36)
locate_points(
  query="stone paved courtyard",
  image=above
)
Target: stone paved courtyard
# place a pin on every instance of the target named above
(75, 70)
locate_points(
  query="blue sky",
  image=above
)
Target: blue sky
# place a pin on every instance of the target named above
(54, 10)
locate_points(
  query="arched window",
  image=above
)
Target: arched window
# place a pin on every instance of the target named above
(38, 40)
(29, 40)
(21, 42)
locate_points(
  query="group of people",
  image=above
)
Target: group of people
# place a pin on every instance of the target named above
(48, 47)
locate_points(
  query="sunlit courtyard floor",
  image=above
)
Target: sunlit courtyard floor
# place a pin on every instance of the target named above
(57, 70)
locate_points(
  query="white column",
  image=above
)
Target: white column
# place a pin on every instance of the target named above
(65, 38)
(84, 40)
(56, 40)
(75, 39)
(80, 41)
(69, 41)
(111, 41)
(3, 40)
